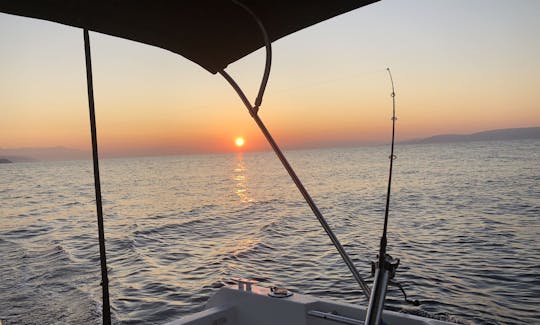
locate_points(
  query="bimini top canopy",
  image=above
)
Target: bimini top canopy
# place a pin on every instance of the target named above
(211, 33)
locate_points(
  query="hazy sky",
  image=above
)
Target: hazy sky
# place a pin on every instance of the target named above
(459, 66)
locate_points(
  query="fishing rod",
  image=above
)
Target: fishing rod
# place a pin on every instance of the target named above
(392, 157)
(253, 111)
(385, 267)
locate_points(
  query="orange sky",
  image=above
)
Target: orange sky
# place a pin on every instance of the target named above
(328, 84)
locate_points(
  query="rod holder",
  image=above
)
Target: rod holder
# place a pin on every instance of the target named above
(383, 273)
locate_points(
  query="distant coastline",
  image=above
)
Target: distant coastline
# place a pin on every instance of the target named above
(17, 155)
(491, 135)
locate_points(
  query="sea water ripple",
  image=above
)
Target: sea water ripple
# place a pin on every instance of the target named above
(464, 222)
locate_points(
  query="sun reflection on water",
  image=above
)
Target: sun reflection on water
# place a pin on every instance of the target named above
(239, 176)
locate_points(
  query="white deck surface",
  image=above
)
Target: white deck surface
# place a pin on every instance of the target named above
(230, 305)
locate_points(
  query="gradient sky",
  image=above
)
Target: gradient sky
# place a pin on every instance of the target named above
(459, 66)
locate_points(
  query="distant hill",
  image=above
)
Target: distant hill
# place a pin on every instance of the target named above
(499, 134)
(36, 154)
(5, 161)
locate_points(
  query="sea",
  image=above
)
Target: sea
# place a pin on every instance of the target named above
(464, 221)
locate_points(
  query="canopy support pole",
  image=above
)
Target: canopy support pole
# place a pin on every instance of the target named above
(97, 183)
(253, 111)
(301, 188)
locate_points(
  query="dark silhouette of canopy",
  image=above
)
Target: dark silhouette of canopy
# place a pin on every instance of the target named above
(211, 33)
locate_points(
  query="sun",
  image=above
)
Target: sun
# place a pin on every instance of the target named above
(239, 142)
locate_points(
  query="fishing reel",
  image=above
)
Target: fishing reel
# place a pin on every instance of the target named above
(391, 264)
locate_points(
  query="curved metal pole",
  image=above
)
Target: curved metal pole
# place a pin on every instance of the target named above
(97, 183)
(253, 110)
(268, 62)
(301, 188)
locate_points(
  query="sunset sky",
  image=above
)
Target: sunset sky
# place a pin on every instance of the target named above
(459, 67)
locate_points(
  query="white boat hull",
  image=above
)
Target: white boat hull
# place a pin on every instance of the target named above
(239, 306)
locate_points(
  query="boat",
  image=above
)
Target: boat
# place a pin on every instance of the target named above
(214, 34)
(247, 303)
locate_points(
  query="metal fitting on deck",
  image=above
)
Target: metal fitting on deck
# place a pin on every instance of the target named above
(244, 284)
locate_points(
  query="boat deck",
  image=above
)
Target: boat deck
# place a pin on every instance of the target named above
(251, 304)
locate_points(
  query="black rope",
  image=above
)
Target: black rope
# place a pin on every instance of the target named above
(414, 302)
(97, 183)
